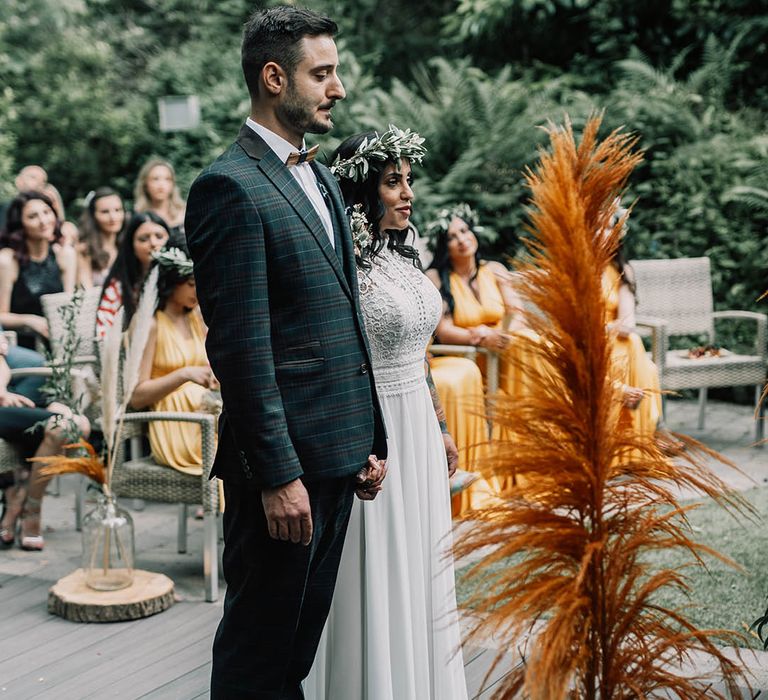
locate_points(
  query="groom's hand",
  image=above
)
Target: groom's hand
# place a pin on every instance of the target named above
(289, 516)
(369, 479)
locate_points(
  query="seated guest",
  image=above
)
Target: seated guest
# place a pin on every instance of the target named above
(146, 233)
(23, 500)
(156, 191)
(101, 223)
(31, 178)
(481, 309)
(69, 232)
(175, 374)
(33, 262)
(636, 372)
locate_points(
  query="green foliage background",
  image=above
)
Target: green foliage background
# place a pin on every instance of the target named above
(80, 80)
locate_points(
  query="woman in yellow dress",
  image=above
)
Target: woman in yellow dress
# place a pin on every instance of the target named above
(634, 369)
(482, 309)
(175, 374)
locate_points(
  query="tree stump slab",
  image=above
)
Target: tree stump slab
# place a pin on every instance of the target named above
(73, 600)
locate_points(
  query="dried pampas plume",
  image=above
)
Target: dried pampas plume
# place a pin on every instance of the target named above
(592, 498)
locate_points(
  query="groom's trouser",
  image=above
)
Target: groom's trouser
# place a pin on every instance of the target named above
(278, 594)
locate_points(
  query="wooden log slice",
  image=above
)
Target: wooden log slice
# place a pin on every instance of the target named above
(73, 600)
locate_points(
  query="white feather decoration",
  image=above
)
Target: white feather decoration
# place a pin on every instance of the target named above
(110, 368)
(138, 333)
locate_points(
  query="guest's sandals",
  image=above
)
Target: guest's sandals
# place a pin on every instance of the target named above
(30, 520)
(13, 500)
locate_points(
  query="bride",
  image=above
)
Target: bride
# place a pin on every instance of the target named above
(393, 630)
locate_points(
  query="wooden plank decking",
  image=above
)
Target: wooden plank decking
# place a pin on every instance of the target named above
(165, 657)
(168, 656)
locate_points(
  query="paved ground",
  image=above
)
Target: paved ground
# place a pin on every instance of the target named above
(167, 656)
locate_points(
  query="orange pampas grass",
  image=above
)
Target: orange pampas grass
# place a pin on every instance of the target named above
(89, 464)
(567, 543)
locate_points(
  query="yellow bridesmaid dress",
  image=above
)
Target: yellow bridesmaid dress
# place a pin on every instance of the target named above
(175, 444)
(487, 308)
(631, 363)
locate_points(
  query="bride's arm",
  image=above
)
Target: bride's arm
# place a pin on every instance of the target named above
(451, 451)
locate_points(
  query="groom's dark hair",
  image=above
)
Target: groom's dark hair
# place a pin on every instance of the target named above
(274, 34)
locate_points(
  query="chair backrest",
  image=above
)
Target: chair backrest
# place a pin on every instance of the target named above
(678, 291)
(85, 323)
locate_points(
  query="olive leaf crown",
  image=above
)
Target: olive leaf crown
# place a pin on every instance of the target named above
(373, 152)
(174, 258)
(443, 219)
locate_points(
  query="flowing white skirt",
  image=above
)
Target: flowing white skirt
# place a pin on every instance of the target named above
(393, 630)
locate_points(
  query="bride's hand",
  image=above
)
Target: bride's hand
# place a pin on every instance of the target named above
(452, 453)
(370, 477)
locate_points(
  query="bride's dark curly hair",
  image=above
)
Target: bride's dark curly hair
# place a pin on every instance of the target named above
(366, 192)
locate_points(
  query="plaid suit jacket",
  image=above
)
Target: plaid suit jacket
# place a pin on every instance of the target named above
(286, 337)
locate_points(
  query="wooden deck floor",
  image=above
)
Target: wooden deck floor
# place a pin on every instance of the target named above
(165, 657)
(168, 656)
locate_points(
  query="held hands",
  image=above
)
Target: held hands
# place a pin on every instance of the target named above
(11, 400)
(368, 480)
(288, 513)
(201, 375)
(489, 338)
(451, 453)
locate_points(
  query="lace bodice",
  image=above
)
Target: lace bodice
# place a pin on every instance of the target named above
(401, 308)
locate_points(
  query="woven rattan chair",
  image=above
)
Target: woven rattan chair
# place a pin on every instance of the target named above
(675, 299)
(141, 477)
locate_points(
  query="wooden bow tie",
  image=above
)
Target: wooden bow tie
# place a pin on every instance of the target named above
(302, 156)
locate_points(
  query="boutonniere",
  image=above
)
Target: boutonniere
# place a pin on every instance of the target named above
(361, 231)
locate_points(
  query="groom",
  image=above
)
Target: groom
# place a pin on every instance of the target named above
(277, 285)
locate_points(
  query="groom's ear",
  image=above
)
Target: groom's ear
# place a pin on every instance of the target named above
(274, 78)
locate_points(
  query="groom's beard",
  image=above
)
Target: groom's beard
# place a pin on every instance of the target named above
(301, 115)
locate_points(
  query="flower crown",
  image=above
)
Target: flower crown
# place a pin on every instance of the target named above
(393, 144)
(174, 258)
(443, 219)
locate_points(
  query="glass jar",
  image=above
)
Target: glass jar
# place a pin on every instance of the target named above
(108, 551)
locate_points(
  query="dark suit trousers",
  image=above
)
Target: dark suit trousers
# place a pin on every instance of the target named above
(278, 594)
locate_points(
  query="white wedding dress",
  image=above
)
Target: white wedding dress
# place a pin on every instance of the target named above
(393, 630)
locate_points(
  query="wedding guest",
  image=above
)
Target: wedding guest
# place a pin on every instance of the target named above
(69, 232)
(636, 372)
(33, 262)
(101, 223)
(481, 309)
(145, 233)
(156, 191)
(31, 178)
(23, 500)
(174, 373)
(393, 630)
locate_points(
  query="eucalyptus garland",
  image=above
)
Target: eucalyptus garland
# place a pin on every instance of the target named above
(392, 145)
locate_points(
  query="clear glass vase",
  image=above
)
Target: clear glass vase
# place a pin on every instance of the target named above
(108, 552)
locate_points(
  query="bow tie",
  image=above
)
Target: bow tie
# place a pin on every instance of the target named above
(302, 156)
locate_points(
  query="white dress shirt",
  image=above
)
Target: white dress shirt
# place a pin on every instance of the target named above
(303, 173)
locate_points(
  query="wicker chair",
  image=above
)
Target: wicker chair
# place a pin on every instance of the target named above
(141, 477)
(675, 299)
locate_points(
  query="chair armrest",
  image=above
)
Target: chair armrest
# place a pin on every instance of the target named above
(658, 327)
(442, 349)
(21, 372)
(471, 352)
(205, 420)
(761, 323)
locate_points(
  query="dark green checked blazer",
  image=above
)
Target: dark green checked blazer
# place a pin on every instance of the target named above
(286, 337)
